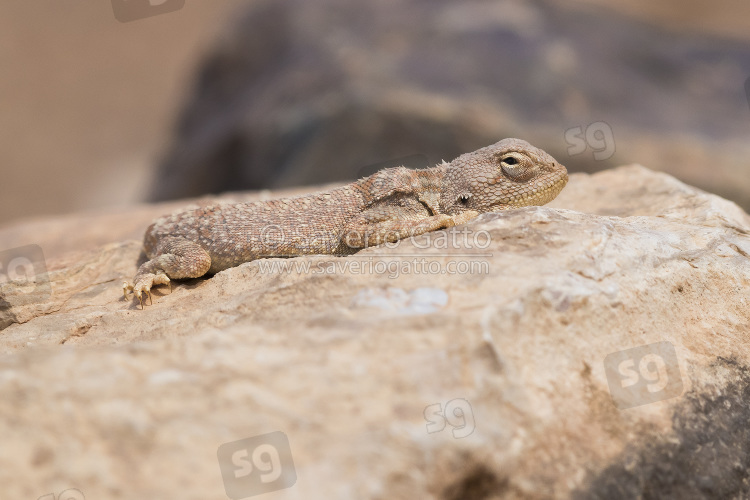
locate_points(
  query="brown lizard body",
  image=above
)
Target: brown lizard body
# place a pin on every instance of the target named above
(387, 206)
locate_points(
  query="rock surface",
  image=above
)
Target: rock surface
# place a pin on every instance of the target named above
(481, 370)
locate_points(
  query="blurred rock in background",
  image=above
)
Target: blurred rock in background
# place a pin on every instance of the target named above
(309, 92)
(96, 114)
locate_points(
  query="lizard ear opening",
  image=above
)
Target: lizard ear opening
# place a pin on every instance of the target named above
(463, 199)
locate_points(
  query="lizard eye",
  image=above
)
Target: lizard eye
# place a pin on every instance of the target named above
(515, 169)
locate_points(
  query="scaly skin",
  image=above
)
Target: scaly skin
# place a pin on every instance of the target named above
(387, 206)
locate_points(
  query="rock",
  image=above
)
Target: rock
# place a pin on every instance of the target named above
(470, 363)
(312, 91)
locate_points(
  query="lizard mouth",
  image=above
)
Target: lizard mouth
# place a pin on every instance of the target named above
(547, 190)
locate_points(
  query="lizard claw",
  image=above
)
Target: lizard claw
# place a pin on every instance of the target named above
(128, 287)
(143, 285)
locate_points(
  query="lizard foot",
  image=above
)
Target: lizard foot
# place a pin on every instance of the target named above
(464, 217)
(143, 284)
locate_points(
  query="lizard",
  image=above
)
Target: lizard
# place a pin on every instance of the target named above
(390, 205)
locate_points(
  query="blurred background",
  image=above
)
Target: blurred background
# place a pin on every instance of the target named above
(192, 97)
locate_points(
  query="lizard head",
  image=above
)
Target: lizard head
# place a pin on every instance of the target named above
(509, 174)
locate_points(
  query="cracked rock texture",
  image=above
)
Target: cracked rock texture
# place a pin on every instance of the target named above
(389, 377)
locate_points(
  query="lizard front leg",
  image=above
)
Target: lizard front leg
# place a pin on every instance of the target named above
(376, 228)
(174, 258)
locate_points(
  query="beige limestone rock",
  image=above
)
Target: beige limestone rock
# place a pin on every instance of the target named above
(506, 332)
